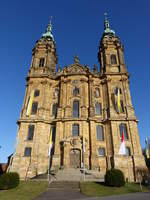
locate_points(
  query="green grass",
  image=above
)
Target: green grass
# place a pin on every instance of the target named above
(26, 190)
(99, 189)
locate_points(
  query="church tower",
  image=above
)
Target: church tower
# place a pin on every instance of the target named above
(34, 124)
(120, 115)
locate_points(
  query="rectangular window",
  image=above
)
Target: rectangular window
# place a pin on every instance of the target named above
(36, 93)
(41, 63)
(100, 135)
(75, 130)
(53, 133)
(30, 132)
(123, 129)
(27, 152)
(98, 109)
(76, 109)
(101, 151)
(128, 153)
(34, 108)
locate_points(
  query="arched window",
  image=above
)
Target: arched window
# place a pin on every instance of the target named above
(75, 130)
(54, 110)
(123, 129)
(101, 151)
(76, 108)
(99, 131)
(76, 91)
(113, 59)
(97, 92)
(34, 108)
(30, 132)
(128, 153)
(36, 93)
(41, 62)
(98, 108)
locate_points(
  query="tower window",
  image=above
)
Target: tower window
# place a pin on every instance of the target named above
(36, 93)
(75, 130)
(76, 109)
(30, 132)
(128, 152)
(101, 151)
(75, 91)
(34, 108)
(41, 62)
(123, 129)
(53, 129)
(54, 110)
(113, 59)
(98, 108)
(27, 152)
(99, 131)
(116, 90)
(97, 92)
(122, 107)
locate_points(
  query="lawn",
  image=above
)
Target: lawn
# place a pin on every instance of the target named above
(99, 189)
(26, 190)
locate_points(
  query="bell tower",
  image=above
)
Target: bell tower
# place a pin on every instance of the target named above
(44, 53)
(36, 118)
(119, 112)
(110, 53)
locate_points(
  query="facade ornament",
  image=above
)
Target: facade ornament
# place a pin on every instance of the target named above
(76, 59)
(59, 69)
(95, 69)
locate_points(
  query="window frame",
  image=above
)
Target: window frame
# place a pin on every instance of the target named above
(123, 126)
(54, 111)
(31, 128)
(101, 132)
(36, 93)
(97, 89)
(99, 108)
(41, 62)
(74, 131)
(27, 152)
(33, 110)
(76, 91)
(113, 59)
(100, 155)
(129, 151)
(75, 111)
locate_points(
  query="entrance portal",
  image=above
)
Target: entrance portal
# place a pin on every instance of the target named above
(75, 158)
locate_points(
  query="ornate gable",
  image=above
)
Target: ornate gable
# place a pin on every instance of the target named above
(75, 69)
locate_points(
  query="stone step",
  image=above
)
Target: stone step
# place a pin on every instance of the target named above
(68, 185)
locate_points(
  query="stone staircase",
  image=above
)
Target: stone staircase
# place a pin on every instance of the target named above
(78, 175)
(72, 175)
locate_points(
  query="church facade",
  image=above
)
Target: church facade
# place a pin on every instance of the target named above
(85, 110)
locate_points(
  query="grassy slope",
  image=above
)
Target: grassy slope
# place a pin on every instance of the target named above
(25, 191)
(97, 189)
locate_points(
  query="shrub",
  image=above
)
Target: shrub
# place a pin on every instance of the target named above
(114, 177)
(9, 180)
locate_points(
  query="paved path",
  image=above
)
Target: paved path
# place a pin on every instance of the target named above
(62, 191)
(69, 191)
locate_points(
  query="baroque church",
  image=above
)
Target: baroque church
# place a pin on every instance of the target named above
(73, 103)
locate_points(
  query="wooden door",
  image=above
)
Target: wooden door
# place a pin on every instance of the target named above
(75, 158)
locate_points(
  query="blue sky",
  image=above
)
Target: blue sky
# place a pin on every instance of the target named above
(77, 28)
